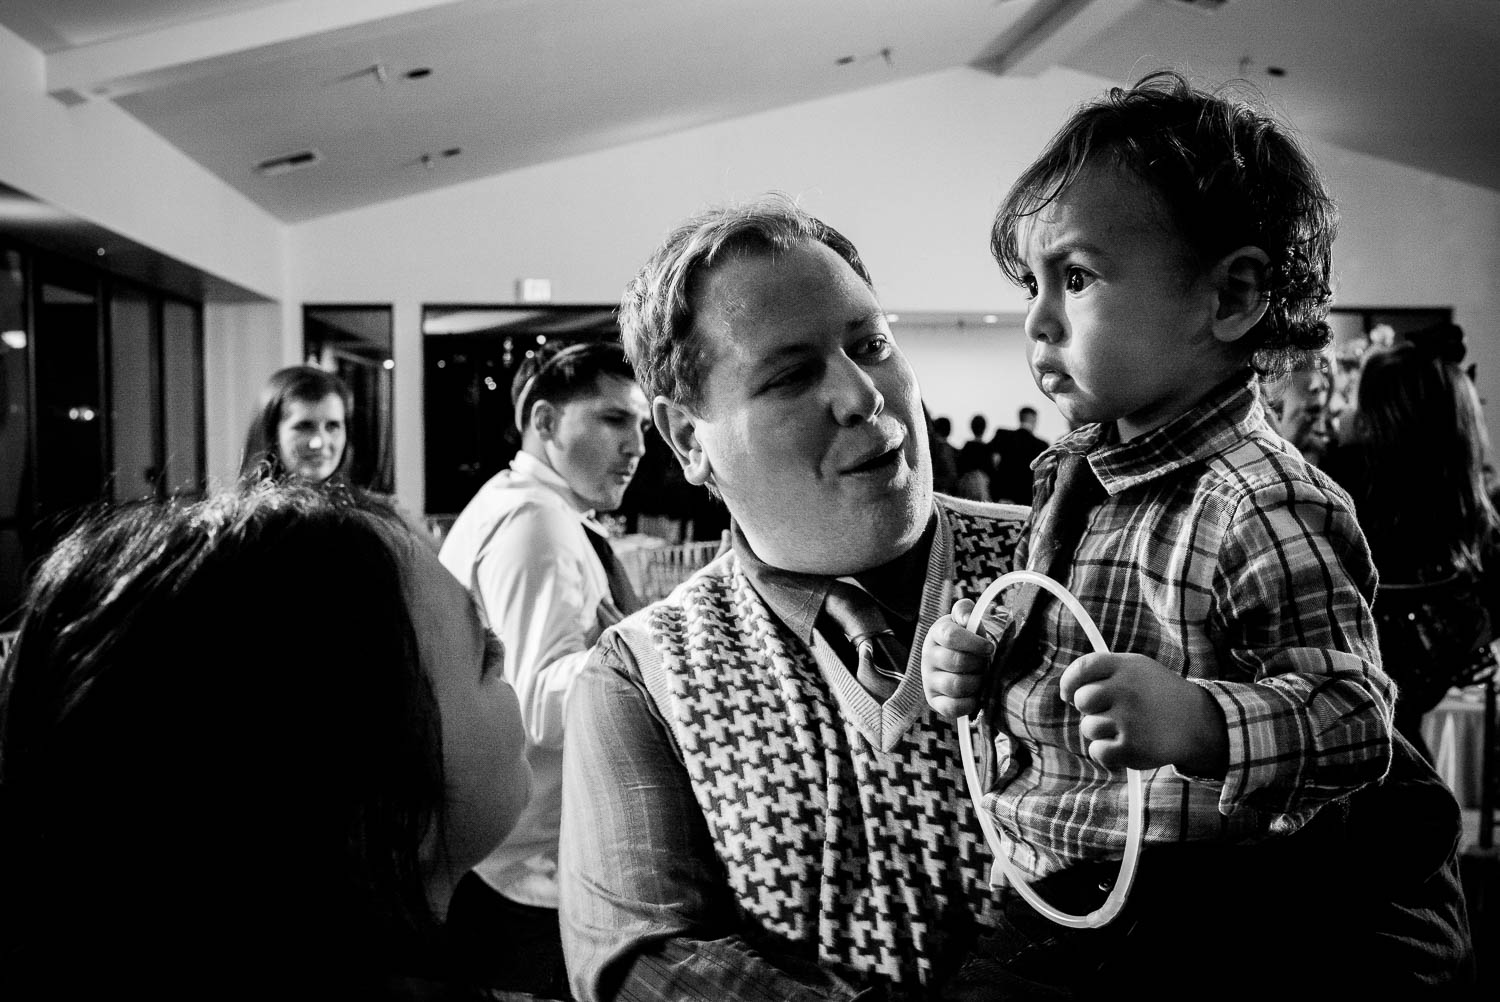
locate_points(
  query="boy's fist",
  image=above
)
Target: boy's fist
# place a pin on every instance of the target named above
(1138, 714)
(954, 663)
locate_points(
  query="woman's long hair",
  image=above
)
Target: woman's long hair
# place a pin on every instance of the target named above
(1419, 426)
(261, 459)
(219, 750)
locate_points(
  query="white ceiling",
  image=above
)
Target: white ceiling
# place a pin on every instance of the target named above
(519, 82)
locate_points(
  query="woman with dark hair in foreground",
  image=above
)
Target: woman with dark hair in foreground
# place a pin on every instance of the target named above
(246, 748)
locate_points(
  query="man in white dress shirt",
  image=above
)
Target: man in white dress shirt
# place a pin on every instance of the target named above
(529, 551)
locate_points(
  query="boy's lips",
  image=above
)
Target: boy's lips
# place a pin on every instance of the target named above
(1051, 381)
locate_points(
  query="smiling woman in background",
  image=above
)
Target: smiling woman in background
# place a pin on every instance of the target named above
(301, 428)
(205, 792)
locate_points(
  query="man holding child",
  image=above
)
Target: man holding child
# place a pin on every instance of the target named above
(759, 803)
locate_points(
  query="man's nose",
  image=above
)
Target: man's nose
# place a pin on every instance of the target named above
(856, 398)
(635, 442)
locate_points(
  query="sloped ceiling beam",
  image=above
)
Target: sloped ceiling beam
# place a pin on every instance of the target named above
(209, 46)
(1050, 32)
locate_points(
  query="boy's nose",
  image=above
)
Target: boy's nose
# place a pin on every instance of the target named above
(1042, 322)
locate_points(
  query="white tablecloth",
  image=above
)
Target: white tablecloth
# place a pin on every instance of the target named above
(1454, 733)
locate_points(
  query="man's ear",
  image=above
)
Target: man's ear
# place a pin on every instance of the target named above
(1240, 280)
(544, 415)
(679, 428)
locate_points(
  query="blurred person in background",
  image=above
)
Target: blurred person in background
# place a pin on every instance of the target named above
(1303, 413)
(1414, 462)
(976, 462)
(301, 427)
(532, 554)
(944, 456)
(1015, 449)
(207, 792)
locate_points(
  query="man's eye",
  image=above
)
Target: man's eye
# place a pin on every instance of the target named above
(786, 378)
(873, 348)
(1078, 279)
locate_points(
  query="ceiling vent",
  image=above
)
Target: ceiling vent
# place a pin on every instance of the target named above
(286, 164)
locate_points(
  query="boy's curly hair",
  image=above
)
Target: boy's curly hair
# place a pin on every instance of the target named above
(1229, 176)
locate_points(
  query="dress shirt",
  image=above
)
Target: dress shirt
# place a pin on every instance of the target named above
(521, 550)
(668, 921)
(1223, 555)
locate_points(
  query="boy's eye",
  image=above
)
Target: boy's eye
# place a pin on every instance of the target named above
(1078, 279)
(1028, 285)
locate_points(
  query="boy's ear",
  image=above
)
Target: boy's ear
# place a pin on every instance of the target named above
(1240, 279)
(679, 428)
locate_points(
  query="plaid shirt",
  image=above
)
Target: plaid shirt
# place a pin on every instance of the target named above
(1223, 555)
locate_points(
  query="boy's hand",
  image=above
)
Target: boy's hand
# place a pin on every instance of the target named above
(954, 663)
(1139, 715)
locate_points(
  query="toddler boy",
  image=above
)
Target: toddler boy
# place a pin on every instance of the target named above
(1175, 248)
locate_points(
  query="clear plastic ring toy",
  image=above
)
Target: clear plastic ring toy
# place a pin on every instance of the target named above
(1134, 786)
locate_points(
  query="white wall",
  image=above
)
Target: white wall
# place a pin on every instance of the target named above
(238, 354)
(911, 172)
(100, 164)
(1408, 238)
(977, 369)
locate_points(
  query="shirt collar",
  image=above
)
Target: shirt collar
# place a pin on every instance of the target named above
(1231, 411)
(529, 467)
(797, 598)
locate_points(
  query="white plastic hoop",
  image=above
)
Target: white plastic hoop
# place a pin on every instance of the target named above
(1134, 787)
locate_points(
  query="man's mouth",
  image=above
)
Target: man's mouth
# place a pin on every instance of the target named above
(880, 461)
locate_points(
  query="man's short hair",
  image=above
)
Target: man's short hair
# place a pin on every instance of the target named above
(659, 308)
(560, 374)
(1229, 176)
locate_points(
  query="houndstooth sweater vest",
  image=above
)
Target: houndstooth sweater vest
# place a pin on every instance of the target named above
(873, 855)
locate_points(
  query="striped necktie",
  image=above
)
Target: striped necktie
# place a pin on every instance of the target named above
(882, 656)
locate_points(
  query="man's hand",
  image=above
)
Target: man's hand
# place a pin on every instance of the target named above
(954, 663)
(1139, 715)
